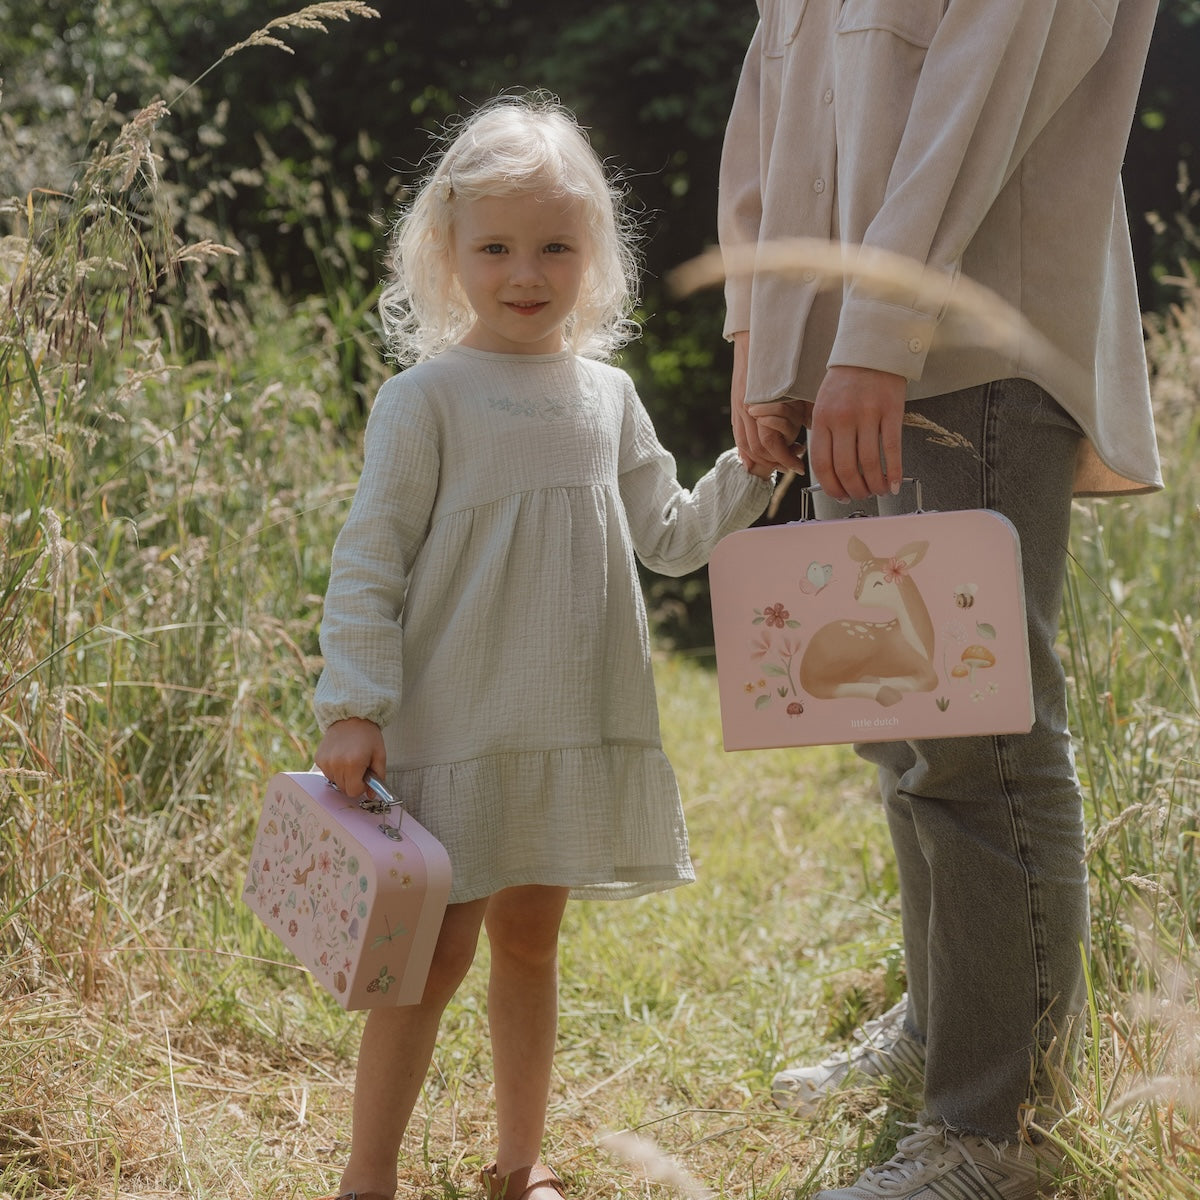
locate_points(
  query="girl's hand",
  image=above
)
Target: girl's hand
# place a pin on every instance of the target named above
(348, 751)
(765, 435)
(759, 470)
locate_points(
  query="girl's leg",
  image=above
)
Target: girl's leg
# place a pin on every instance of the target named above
(397, 1046)
(522, 926)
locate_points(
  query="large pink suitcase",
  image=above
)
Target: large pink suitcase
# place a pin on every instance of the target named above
(871, 629)
(355, 889)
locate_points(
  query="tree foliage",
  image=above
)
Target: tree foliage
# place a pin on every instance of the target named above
(297, 159)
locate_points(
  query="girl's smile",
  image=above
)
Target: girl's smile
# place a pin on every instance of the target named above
(520, 261)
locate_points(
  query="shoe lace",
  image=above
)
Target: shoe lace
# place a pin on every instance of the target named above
(929, 1150)
(870, 1037)
(883, 1028)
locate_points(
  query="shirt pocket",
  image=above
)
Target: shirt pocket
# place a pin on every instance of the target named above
(915, 21)
(780, 22)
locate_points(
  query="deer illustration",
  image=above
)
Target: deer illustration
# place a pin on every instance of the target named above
(876, 660)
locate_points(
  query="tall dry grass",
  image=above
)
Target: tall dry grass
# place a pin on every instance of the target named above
(175, 463)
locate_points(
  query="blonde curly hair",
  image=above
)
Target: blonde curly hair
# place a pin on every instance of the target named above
(509, 146)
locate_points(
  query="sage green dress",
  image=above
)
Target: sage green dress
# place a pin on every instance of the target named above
(484, 609)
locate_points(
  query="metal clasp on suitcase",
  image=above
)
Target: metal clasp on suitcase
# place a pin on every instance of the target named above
(378, 800)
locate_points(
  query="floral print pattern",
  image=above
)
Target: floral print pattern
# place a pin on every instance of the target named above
(308, 882)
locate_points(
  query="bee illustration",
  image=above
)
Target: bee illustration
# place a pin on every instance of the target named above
(964, 594)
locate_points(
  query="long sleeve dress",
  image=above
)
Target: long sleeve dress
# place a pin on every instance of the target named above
(484, 610)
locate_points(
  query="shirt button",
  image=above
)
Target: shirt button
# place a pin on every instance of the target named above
(916, 345)
(809, 276)
(818, 186)
(828, 96)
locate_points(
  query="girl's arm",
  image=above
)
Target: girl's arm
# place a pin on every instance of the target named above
(361, 631)
(674, 529)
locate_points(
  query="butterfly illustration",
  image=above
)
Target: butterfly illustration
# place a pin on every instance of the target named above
(816, 577)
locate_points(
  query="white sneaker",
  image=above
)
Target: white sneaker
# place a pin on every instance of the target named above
(934, 1164)
(882, 1050)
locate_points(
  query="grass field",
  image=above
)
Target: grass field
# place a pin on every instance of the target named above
(167, 505)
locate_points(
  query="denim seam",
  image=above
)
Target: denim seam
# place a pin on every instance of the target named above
(1033, 908)
(989, 485)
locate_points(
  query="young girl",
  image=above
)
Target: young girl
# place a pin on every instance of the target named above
(485, 640)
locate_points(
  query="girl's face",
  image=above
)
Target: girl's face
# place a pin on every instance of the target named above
(520, 260)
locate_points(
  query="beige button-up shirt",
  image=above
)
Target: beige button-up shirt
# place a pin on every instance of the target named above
(981, 139)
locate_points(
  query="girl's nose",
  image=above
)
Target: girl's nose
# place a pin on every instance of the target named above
(525, 270)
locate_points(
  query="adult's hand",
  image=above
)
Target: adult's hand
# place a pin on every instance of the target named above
(854, 441)
(765, 434)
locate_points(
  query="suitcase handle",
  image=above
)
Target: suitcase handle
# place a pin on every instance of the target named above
(806, 495)
(377, 799)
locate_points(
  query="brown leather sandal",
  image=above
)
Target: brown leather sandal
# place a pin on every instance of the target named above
(516, 1185)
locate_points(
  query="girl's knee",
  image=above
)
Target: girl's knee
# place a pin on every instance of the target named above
(523, 923)
(455, 950)
(448, 969)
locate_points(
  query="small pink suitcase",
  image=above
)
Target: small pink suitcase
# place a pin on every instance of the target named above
(871, 629)
(356, 889)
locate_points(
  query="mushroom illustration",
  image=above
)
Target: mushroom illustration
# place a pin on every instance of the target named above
(976, 658)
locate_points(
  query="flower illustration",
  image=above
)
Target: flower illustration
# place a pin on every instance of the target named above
(775, 616)
(776, 658)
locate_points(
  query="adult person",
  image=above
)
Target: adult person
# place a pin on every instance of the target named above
(980, 138)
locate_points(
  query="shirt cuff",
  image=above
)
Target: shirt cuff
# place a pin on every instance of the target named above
(883, 336)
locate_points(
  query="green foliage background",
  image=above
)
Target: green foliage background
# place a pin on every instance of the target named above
(297, 160)
(187, 350)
